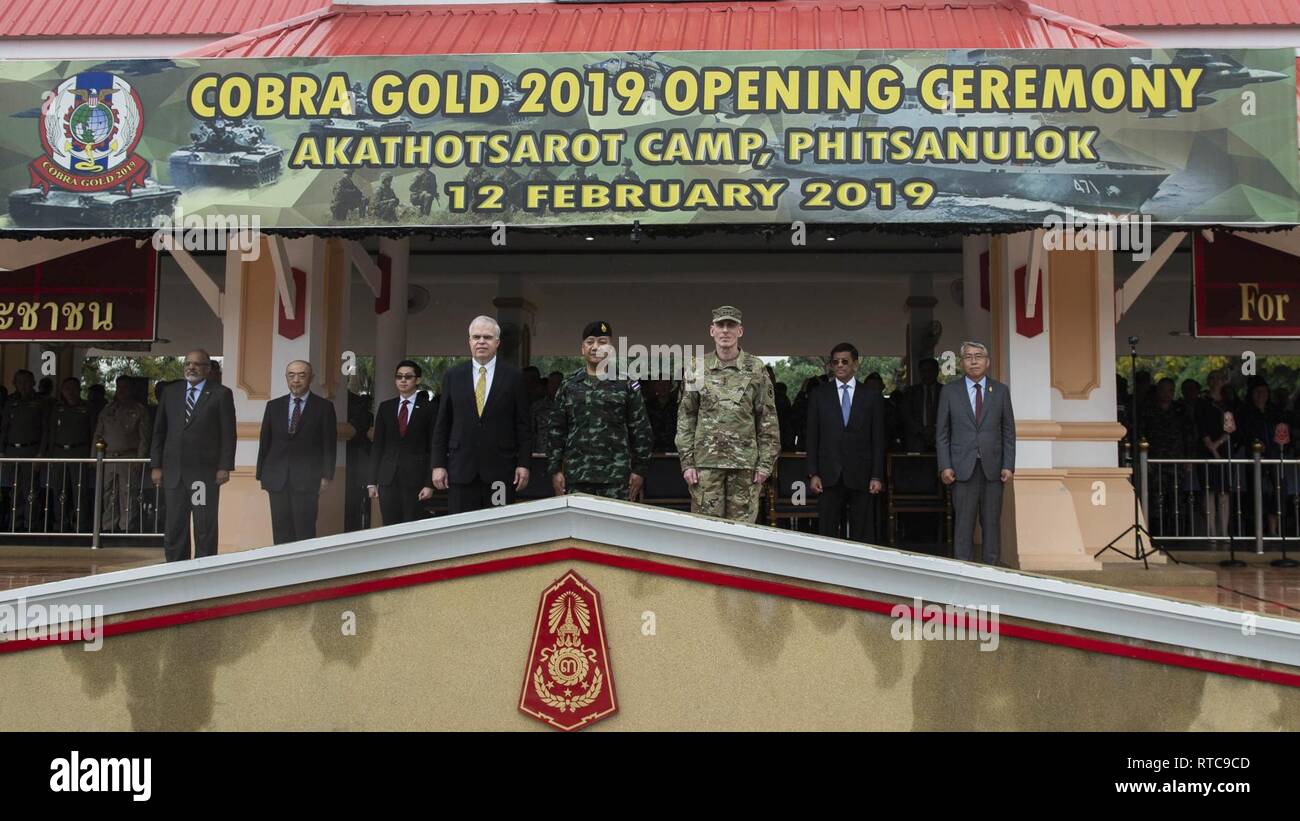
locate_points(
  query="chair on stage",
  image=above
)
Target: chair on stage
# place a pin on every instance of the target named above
(664, 485)
(914, 486)
(791, 467)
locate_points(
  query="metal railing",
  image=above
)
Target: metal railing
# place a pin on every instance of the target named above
(1246, 498)
(92, 497)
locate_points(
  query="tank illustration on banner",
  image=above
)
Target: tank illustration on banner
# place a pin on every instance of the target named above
(361, 123)
(229, 154)
(56, 208)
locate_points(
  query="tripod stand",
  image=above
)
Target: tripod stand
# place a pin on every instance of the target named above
(1140, 549)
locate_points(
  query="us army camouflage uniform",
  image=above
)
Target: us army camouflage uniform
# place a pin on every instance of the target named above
(126, 433)
(726, 430)
(600, 435)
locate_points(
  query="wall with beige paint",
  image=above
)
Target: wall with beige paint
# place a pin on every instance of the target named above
(451, 655)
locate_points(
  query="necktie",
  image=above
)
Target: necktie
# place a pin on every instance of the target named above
(480, 389)
(190, 399)
(403, 417)
(979, 401)
(297, 416)
(844, 404)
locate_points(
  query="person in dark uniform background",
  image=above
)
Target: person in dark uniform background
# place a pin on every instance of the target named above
(22, 429)
(68, 436)
(356, 497)
(126, 432)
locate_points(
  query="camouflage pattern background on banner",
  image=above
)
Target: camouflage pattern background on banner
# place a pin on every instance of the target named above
(1188, 136)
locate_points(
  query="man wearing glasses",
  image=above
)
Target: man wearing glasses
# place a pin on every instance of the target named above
(399, 457)
(192, 455)
(975, 437)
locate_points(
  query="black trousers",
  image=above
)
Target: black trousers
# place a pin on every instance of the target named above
(293, 514)
(400, 503)
(180, 505)
(477, 495)
(982, 497)
(830, 512)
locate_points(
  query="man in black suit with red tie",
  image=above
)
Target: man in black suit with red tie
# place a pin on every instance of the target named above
(846, 447)
(295, 459)
(482, 443)
(399, 456)
(192, 455)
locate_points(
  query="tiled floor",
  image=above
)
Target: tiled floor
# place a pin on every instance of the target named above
(22, 567)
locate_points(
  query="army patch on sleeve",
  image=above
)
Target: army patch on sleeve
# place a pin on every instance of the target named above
(635, 384)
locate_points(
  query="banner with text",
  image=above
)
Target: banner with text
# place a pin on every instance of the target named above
(1188, 136)
(1244, 288)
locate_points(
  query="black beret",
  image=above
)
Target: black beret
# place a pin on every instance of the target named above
(596, 329)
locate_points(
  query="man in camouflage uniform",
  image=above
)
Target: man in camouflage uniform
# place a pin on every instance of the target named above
(385, 205)
(346, 197)
(126, 431)
(424, 191)
(599, 434)
(22, 429)
(727, 434)
(67, 436)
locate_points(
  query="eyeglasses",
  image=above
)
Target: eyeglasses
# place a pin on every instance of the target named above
(406, 376)
(973, 357)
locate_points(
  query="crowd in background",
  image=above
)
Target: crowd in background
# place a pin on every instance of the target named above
(1179, 421)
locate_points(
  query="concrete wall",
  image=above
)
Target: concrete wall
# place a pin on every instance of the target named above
(452, 655)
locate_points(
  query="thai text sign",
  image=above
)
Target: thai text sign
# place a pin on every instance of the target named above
(1245, 288)
(105, 293)
(1190, 136)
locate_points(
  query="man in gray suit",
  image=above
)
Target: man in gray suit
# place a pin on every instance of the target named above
(975, 436)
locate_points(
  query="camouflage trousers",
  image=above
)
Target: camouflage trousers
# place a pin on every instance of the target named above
(727, 494)
(609, 491)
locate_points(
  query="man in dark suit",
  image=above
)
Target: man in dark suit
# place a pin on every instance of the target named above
(845, 435)
(920, 409)
(295, 459)
(482, 443)
(399, 456)
(192, 455)
(976, 444)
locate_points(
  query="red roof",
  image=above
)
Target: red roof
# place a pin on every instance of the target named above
(146, 18)
(503, 28)
(1182, 12)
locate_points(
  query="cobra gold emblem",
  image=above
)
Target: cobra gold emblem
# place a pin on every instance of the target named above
(568, 683)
